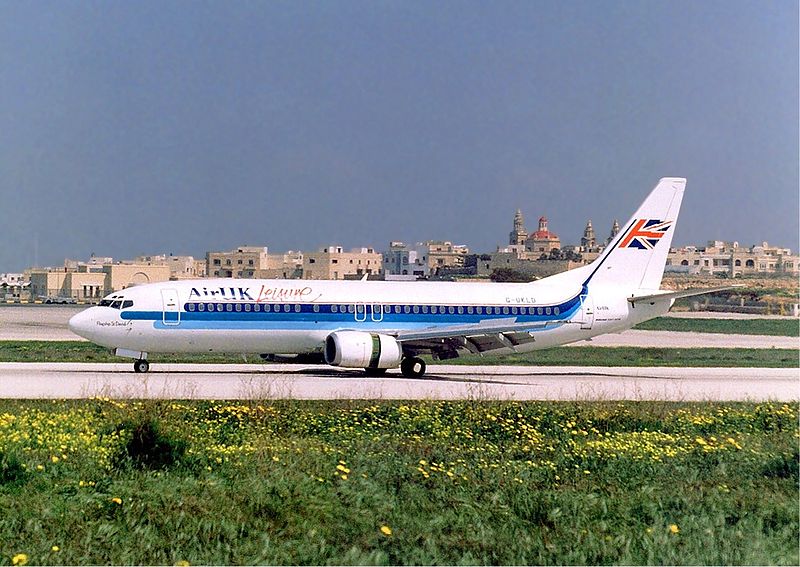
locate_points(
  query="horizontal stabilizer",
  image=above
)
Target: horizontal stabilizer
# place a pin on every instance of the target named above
(679, 294)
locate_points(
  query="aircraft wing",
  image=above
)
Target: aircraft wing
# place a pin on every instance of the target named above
(476, 337)
(679, 294)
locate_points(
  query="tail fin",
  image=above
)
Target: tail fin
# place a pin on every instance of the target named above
(637, 256)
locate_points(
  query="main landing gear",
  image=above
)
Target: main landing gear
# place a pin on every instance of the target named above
(141, 366)
(413, 367)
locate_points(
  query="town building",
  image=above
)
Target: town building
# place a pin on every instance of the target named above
(440, 255)
(254, 262)
(13, 286)
(400, 260)
(180, 267)
(333, 263)
(731, 260)
(89, 281)
(542, 241)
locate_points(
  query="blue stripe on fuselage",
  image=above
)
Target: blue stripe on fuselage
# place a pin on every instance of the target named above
(308, 319)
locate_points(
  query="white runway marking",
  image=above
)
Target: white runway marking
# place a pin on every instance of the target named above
(255, 381)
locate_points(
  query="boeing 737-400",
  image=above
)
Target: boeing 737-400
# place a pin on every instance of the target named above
(378, 325)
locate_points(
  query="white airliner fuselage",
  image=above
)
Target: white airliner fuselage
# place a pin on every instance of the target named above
(381, 325)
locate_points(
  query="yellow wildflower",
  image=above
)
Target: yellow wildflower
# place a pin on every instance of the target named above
(182, 563)
(19, 559)
(673, 529)
(386, 530)
(117, 500)
(54, 459)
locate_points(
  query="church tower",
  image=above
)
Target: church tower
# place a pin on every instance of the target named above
(588, 241)
(519, 235)
(614, 231)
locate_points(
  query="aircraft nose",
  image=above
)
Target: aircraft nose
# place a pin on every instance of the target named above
(81, 324)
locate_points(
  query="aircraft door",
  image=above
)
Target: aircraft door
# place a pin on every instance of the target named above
(361, 312)
(587, 312)
(172, 308)
(377, 312)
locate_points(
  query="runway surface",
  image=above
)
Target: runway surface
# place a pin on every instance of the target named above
(49, 323)
(253, 381)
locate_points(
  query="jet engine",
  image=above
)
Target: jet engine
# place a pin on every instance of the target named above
(357, 349)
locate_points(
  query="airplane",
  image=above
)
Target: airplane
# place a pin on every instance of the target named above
(380, 325)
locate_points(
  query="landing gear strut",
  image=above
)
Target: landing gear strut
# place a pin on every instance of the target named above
(413, 367)
(141, 366)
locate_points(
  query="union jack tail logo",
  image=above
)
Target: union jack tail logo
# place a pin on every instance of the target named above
(645, 234)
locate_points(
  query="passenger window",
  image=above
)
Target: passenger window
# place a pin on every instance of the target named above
(539, 310)
(548, 311)
(451, 310)
(127, 303)
(460, 310)
(297, 308)
(229, 307)
(201, 306)
(334, 308)
(424, 308)
(286, 308)
(316, 308)
(469, 310)
(416, 309)
(247, 307)
(556, 310)
(238, 307)
(397, 309)
(190, 307)
(219, 307)
(513, 310)
(266, 308)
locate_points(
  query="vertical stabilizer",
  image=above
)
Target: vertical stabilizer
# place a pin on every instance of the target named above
(637, 256)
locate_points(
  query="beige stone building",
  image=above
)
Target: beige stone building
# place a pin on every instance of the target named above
(91, 280)
(254, 262)
(542, 241)
(333, 263)
(180, 267)
(235, 263)
(732, 260)
(437, 255)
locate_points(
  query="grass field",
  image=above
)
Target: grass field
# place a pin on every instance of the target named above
(774, 327)
(77, 351)
(99, 482)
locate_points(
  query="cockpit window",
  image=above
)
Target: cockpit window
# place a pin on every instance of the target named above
(105, 303)
(127, 303)
(116, 304)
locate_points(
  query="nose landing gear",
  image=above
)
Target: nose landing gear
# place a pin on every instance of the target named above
(141, 366)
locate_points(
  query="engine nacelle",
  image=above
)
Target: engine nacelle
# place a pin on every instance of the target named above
(356, 349)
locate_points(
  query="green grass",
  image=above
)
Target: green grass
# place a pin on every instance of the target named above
(77, 351)
(774, 327)
(455, 483)
(633, 356)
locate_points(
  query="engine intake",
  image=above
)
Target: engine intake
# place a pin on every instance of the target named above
(357, 349)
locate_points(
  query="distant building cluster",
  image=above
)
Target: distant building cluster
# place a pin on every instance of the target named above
(527, 255)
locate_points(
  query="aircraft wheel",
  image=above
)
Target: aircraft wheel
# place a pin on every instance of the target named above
(412, 367)
(141, 366)
(374, 371)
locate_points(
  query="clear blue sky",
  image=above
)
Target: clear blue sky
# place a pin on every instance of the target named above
(147, 127)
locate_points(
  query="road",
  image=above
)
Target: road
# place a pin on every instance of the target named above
(252, 381)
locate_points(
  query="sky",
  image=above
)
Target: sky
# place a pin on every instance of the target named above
(131, 128)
